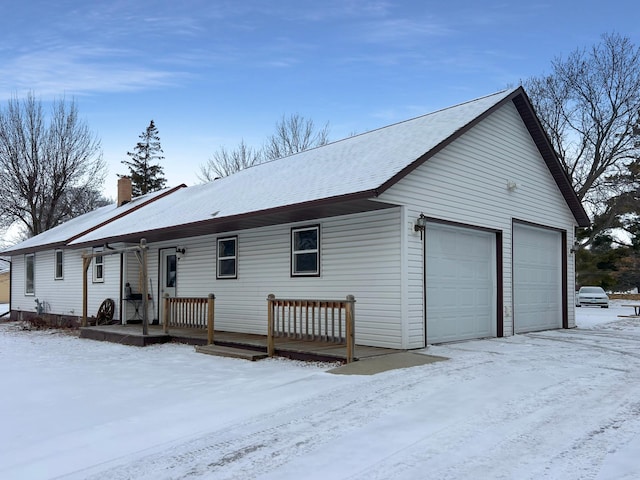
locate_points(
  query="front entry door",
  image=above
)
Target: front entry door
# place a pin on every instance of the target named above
(168, 275)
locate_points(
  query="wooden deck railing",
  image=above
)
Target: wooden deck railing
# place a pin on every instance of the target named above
(190, 312)
(320, 320)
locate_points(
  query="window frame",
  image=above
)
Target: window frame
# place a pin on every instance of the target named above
(58, 274)
(98, 266)
(219, 258)
(30, 258)
(294, 252)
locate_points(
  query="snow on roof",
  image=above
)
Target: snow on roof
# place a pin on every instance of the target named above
(62, 233)
(356, 164)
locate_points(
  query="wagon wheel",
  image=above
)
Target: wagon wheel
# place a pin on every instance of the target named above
(105, 312)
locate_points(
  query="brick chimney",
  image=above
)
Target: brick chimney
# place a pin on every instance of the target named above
(124, 190)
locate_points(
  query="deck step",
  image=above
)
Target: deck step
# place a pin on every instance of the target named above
(232, 352)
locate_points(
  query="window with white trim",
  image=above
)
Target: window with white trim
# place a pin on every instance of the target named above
(305, 251)
(98, 267)
(59, 265)
(227, 265)
(29, 274)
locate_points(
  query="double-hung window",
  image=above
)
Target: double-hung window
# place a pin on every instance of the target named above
(305, 251)
(29, 274)
(227, 266)
(59, 264)
(98, 267)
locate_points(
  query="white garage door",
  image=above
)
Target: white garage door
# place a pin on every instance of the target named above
(461, 283)
(537, 279)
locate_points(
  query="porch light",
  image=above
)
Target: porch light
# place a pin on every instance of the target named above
(180, 251)
(421, 223)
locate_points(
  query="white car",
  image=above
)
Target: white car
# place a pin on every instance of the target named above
(595, 296)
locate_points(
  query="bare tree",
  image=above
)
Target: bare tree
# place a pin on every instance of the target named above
(44, 165)
(294, 134)
(225, 162)
(589, 105)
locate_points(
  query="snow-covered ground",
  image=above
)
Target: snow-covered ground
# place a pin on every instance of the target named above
(4, 308)
(548, 405)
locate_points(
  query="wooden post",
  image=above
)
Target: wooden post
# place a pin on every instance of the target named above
(86, 261)
(145, 292)
(210, 309)
(167, 313)
(350, 323)
(270, 327)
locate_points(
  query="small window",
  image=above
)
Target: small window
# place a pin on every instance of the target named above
(171, 270)
(29, 274)
(59, 272)
(98, 267)
(305, 251)
(227, 258)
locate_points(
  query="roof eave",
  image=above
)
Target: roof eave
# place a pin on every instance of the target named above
(63, 243)
(540, 138)
(299, 212)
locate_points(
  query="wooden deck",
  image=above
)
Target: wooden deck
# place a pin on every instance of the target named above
(284, 347)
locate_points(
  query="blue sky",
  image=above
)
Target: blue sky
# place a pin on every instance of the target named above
(210, 72)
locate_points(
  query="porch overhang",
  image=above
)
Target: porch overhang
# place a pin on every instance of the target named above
(332, 207)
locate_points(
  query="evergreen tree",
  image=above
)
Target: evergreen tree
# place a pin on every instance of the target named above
(146, 175)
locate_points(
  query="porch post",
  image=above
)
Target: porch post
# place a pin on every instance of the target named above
(86, 261)
(167, 312)
(210, 317)
(350, 321)
(145, 292)
(270, 327)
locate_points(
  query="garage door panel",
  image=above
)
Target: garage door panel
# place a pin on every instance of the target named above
(460, 283)
(537, 265)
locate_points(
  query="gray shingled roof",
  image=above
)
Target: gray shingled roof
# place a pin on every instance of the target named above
(362, 163)
(67, 231)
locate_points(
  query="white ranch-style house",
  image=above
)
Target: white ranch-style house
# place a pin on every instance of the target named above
(454, 225)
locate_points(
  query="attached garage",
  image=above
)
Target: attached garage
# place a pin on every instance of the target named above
(537, 278)
(460, 283)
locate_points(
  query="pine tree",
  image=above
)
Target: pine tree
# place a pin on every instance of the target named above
(146, 176)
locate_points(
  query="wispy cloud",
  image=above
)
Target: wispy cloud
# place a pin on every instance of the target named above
(80, 70)
(403, 31)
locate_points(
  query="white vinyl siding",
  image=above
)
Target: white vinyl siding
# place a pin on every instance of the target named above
(466, 182)
(368, 268)
(64, 298)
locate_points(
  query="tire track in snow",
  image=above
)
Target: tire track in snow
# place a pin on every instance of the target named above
(590, 341)
(524, 423)
(262, 443)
